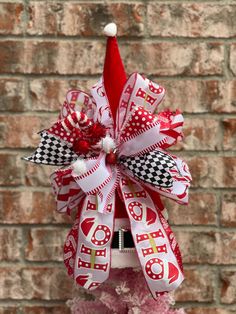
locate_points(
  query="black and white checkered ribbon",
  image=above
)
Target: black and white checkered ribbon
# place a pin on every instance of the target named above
(152, 168)
(52, 151)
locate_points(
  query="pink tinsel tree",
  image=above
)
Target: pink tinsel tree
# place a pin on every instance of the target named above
(124, 293)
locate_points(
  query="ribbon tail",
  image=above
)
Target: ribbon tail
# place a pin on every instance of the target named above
(181, 181)
(87, 250)
(155, 243)
(67, 192)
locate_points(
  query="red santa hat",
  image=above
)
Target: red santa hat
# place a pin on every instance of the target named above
(114, 78)
(114, 75)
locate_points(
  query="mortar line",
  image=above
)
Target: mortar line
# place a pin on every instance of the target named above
(123, 40)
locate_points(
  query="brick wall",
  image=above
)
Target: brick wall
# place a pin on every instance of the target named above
(47, 47)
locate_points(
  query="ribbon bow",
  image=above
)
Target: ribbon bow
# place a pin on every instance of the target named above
(129, 159)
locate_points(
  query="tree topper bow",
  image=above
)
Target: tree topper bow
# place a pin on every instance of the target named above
(101, 155)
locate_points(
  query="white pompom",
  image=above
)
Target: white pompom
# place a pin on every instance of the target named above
(110, 30)
(108, 144)
(79, 166)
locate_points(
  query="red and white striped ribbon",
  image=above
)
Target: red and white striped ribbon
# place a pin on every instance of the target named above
(77, 120)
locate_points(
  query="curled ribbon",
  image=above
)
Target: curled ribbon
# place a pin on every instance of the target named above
(141, 169)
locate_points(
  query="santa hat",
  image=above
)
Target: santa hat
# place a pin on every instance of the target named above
(114, 75)
(114, 78)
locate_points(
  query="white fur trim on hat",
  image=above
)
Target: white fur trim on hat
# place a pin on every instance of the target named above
(110, 30)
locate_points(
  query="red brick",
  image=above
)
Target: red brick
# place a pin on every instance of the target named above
(200, 134)
(8, 310)
(198, 247)
(201, 247)
(201, 210)
(83, 57)
(229, 167)
(213, 171)
(21, 131)
(48, 57)
(188, 95)
(192, 20)
(12, 56)
(10, 170)
(229, 140)
(49, 94)
(227, 254)
(192, 96)
(44, 244)
(228, 286)
(199, 167)
(198, 96)
(233, 58)
(80, 19)
(41, 283)
(12, 95)
(10, 283)
(228, 210)
(11, 18)
(207, 247)
(38, 175)
(30, 207)
(224, 97)
(56, 309)
(10, 239)
(197, 286)
(169, 58)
